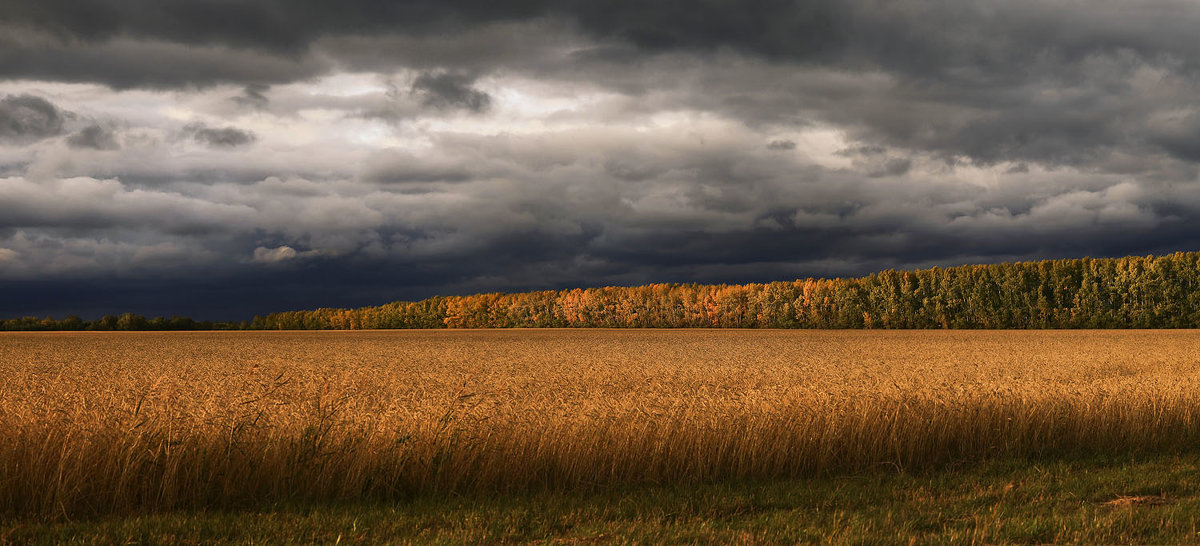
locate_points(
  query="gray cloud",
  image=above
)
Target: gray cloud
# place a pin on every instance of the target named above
(219, 137)
(253, 96)
(400, 168)
(28, 118)
(95, 137)
(450, 90)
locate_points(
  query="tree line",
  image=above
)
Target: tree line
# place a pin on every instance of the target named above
(116, 323)
(1130, 292)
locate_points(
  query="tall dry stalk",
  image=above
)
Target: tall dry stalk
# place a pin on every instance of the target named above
(93, 423)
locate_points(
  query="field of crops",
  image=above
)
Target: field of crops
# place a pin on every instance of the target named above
(113, 422)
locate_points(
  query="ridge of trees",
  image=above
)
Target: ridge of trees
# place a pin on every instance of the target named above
(115, 323)
(1129, 292)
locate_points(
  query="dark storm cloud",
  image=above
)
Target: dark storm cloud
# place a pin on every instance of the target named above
(563, 226)
(967, 78)
(775, 28)
(450, 90)
(914, 36)
(783, 28)
(147, 43)
(274, 25)
(132, 43)
(991, 82)
(218, 137)
(94, 137)
(1178, 135)
(923, 35)
(624, 142)
(124, 62)
(27, 118)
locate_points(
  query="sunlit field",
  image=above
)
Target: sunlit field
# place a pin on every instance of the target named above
(95, 423)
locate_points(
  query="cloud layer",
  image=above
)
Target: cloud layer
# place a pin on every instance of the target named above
(225, 159)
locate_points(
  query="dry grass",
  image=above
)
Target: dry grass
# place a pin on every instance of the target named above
(1138, 500)
(103, 422)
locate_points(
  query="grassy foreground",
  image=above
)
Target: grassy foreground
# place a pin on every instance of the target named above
(1096, 500)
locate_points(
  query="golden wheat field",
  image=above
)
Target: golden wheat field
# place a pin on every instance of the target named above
(103, 422)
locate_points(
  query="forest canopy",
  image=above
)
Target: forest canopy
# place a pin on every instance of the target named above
(1130, 292)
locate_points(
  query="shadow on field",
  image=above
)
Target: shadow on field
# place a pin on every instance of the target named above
(1142, 498)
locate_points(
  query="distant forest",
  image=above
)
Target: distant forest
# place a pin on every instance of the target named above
(1131, 292)
(125, 322)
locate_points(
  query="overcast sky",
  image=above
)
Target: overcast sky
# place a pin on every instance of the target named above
(226, 158)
